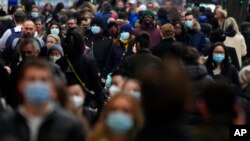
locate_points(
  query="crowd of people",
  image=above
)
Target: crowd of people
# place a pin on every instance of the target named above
(122, 71)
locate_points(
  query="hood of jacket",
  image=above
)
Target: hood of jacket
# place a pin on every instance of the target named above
(195, 72)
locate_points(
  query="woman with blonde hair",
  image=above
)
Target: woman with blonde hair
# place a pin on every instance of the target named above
(121, 119)
(234, 38)
(221, 16)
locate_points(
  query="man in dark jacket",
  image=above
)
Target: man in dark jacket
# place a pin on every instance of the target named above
(80, 67)
(38, 119)
(148, 24)
(167, 32)
(98, 44)
(137, 63)
(198, 40)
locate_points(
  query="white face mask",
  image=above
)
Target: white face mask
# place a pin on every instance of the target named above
(54, 58)
(136, 94)
(113, 90)
(78, 101)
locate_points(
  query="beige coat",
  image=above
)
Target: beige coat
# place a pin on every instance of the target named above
(237, 42)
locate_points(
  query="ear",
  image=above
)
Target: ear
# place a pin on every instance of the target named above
(21, 85)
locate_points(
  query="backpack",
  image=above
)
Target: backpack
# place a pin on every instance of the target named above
(14, 35)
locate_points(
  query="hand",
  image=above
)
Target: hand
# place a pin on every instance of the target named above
(203, 59)
(103, 80)
(8, 69)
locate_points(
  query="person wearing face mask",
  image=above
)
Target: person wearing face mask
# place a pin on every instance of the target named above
(148, 25)
(115, 82)
(55, 53)
(77, 97)
(132, 87)
(98, 43)
(47, 12)
(198, 40)
(35, 13)
(119, 50)
(55, 29)
(120, 120)
(37, 117)
(218, 64)
(81, 68)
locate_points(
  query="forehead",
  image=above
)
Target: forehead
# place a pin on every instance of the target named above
(38, 22)
(121, 104)
(219, 48)
(34, 71)
(189, 17)
(49, 38)
(27, 47)
(35, 9)
(29, 24)
(71, 21)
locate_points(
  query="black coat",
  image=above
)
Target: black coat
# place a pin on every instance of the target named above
(247, 40)
(57, 126)
(152, 132)
(232, 55)
(100, 46)
(229, 72)
(199, 78)
(198, 39)
(135, 64)
(86, 69)
(116, 55)
(162, 48)
(244, 101)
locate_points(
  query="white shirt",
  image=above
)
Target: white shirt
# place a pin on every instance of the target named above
(34, 122)
(7, 34)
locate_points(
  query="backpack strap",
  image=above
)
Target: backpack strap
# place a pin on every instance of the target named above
(79, 79)
(12, 30)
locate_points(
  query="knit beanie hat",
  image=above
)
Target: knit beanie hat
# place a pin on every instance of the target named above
(148, 13)
(58, 48)
(126, 28)
(97, 21)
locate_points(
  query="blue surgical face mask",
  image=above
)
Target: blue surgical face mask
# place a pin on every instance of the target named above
(95, 29)
(34, 14)
(189, 24)
(218, 57)
(119, 122)
(37, 93)
(54, 31)
(124, 36)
